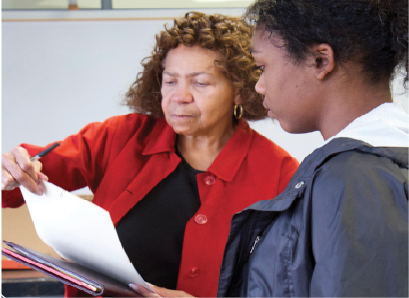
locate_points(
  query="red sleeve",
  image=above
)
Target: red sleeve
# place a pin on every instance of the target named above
(81, 159)
(11, 198)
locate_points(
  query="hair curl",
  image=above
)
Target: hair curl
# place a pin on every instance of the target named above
(230, 36)
(373, 33)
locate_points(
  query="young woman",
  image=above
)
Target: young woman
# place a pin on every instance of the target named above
(341, 226)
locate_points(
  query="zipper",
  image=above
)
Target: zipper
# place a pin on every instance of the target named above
(255, 244)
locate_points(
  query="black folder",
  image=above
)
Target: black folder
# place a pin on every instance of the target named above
(73, 274)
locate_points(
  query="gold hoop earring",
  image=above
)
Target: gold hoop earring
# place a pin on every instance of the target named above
(240, 107)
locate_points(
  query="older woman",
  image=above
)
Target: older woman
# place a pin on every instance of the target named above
(172, 174)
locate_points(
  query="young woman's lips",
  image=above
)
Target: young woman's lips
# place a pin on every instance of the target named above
(266, 107)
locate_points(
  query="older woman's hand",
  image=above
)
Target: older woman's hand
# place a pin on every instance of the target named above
(17, 169)
(159, 292)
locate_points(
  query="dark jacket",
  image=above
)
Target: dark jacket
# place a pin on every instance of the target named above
(340, 228)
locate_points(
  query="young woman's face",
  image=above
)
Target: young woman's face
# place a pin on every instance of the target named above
(197, 99)
(288, 88)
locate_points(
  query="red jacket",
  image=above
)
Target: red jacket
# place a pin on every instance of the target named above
(123, 158)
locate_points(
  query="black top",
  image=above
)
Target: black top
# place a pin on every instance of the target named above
(152, 231)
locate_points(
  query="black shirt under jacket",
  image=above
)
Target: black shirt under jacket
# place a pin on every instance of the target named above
(152, 231)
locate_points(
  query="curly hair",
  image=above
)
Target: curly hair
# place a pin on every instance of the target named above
(372, 33)
(230, 36)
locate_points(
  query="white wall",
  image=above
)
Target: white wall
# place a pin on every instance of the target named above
(58, 76)
(69, 68)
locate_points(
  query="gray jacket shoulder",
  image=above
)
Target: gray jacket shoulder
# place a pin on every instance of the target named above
(359, 224)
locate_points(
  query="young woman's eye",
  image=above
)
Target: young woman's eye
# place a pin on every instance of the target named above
(170, 82)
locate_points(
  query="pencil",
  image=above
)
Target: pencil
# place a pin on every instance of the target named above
(45, 152)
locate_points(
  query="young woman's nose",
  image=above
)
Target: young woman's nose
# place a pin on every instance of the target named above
(261, 86)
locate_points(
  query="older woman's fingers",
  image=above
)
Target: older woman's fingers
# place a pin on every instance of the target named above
(38, 166)
(17, 169)
(144, 292)
(7, 181)
(159, 292)
(22, 158)
(163, 292)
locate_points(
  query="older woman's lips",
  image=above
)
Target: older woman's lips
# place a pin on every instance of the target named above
(182, 116)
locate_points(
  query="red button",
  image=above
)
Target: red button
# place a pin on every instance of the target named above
(201, 219)
(209, 180)
(194, 272)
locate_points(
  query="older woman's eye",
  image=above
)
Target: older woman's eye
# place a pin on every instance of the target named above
(261, 67)
(201, 84)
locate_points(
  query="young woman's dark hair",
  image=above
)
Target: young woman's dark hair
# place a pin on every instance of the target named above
(230, 36)
(372, 33)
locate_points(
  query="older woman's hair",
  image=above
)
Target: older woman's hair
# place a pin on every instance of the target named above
(230, 36)
(371, 33)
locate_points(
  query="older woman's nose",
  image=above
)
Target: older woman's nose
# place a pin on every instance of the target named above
(182, 94)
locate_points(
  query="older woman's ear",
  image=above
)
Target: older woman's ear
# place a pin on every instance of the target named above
(237, 99)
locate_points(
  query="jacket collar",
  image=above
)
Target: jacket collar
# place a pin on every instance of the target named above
(229, 160)
(398, 154)
(315, 160)
(162, 139)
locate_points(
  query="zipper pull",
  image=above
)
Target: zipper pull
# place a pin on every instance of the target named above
(255, 244)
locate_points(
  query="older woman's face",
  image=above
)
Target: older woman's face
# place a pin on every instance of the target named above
(197, 99)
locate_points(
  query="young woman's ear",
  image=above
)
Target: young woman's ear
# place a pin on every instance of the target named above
(323, 60)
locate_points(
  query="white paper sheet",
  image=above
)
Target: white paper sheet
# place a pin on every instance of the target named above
(81, 232)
